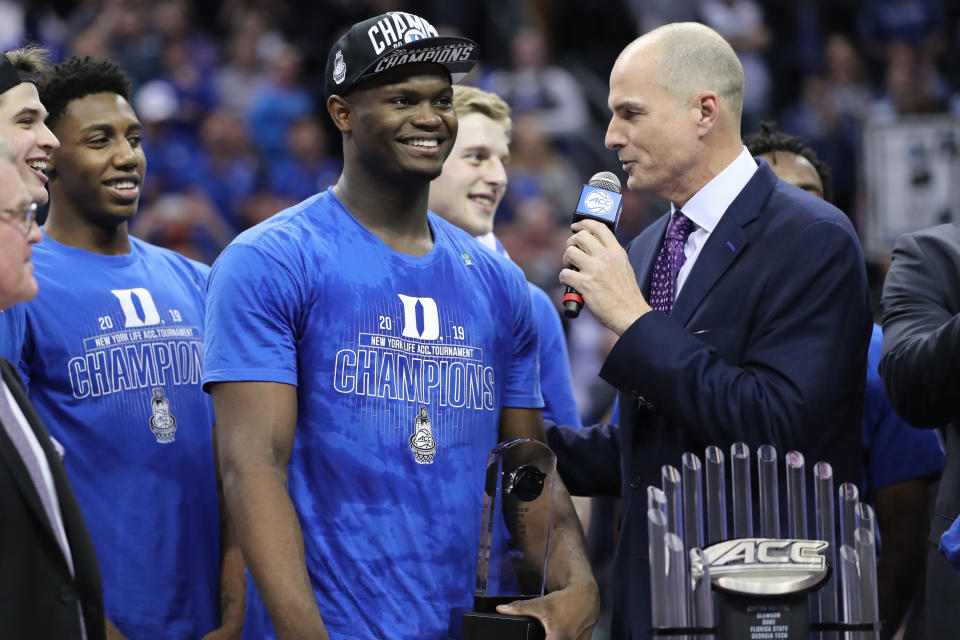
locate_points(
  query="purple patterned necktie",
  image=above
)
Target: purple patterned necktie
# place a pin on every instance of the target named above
(668, 263)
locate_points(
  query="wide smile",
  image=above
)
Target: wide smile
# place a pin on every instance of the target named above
(424, 146)
(37, 167)
(125, 190)
(484, 201)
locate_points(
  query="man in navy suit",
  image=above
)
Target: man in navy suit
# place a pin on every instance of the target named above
(742, 315)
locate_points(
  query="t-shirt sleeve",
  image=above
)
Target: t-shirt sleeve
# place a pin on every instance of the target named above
(556, 383)
(900, 452)
(201, 275)
(522, 384)
(897, 451)
(253, 304)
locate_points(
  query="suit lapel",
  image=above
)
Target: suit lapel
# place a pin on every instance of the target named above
(84, 559)
(642, 251)
(727, 241)
(645, 252)
(11, 457)
(722, 247)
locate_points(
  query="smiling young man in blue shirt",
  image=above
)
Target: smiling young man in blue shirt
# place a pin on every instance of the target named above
(364, 356)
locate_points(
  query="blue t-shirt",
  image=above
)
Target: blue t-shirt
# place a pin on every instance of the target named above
(895, 451)
(402, 365)
(556, 383)
(950, 544)
(12, 321)
(112, 356)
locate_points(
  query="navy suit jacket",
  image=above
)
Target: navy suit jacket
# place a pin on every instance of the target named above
(766, 343)
(38, 596)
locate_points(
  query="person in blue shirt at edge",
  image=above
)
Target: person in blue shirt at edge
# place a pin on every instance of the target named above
(364, 356)
(467, 194)
(22, 125)
(118, 382)
(901, 462)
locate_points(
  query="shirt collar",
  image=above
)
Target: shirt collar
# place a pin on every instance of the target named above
(707, 206)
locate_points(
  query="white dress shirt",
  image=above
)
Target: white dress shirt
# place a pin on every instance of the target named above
(708, 205)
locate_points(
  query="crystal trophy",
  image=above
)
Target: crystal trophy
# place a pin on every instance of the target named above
(782, 584)
(514, 539)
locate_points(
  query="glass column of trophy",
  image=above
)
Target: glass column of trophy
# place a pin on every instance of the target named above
(759, 587)
(514, 539)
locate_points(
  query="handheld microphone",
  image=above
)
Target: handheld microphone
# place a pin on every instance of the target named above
(600, 199)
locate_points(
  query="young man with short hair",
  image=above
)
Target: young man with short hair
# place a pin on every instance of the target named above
(364, 356)
(22, 126)
(467, 194)
(113, 353)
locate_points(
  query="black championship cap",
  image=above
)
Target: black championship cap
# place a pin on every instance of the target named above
(9, 76)
(392, 39)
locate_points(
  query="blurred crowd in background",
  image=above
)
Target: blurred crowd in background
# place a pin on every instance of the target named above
(231, 96)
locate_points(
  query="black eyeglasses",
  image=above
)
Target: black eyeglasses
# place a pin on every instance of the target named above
(23, 218)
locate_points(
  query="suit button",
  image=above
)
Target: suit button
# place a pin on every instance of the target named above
(65, 595)
(641, 401)
(636, 483)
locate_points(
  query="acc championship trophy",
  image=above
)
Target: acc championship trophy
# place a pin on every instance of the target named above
(710, 582)
(514, 539)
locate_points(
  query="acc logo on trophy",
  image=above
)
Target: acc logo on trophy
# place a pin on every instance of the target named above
(765, 566)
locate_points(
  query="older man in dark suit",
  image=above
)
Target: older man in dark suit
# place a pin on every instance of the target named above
(49, 580)
(743, 315)
(921, 373)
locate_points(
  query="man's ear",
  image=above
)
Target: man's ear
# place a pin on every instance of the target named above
(708, 105)
(341, 112)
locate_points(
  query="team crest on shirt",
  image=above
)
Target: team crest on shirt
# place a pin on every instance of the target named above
(422, 443)
(162, 423)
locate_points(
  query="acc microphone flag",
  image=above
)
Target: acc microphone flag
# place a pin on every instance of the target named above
(601, 200)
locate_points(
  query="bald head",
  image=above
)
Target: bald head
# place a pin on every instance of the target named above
(676, 95)
(689, 57)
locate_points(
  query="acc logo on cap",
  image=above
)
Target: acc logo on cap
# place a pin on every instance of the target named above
(765, 566)
(339, 68)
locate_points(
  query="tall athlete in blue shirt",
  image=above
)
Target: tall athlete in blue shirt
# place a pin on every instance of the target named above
(364, 356)
(113, 354)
